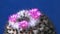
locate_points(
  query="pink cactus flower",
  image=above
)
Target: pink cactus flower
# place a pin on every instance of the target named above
(34, 13)
(23, 24)
(13, 18)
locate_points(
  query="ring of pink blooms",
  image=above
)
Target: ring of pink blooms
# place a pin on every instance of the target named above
(34, 13)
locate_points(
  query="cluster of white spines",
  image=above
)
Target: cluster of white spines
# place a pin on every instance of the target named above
(31, 14)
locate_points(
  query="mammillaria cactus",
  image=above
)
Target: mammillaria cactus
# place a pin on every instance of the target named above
(30, 21)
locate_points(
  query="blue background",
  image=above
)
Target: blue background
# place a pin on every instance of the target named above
(49, 7)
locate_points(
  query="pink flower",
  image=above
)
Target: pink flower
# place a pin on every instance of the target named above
(13, 18)
(34, 13)
(23, 24)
